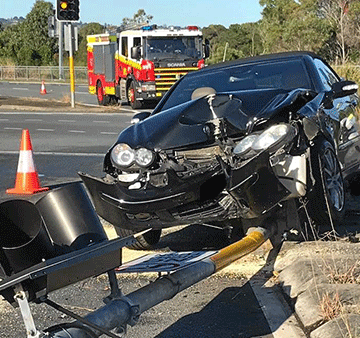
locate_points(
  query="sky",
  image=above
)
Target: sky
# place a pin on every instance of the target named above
(183, 13)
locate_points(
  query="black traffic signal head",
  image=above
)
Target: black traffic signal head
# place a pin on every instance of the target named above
(67, 10)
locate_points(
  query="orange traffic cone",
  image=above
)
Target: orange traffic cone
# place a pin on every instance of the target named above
(27, 180)
(42, 88)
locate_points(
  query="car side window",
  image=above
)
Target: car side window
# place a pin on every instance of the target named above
(328, 78)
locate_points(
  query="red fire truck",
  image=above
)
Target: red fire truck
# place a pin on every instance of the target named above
(140, 65)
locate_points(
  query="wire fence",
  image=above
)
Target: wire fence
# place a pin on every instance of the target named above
(34, 73)
(52, 73)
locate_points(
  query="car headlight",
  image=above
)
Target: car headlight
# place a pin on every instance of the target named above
(245, 145)
(272, 136)
(122, 155)
(144, 157)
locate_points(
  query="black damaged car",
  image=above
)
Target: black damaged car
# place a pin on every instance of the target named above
(231, 143)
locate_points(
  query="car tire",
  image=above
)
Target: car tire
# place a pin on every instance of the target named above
(327, 199)
(103, 99)
(132, 97)
(147, 241)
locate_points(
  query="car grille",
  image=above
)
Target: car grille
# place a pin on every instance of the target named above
(200, 156)
(166, 77)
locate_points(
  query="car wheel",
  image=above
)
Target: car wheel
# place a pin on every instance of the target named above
(103, 99)
(132, 97)
(327, 199)
(147, 241)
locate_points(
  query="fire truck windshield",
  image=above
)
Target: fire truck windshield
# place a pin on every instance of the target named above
(179, 48)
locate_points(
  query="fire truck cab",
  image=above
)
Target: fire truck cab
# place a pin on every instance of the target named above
(140, 65)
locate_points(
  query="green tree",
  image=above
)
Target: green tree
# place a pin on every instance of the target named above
(293, 25)
(84, 31)
(35, 37)
(216, 34)
(343, 16)
(140, 17)
(27, 43)
(235, 42)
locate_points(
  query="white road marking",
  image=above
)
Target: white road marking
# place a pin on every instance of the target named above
(82, 93)
(77, 131)
(101, 121)
(108, 133)
(2, 120)
(54, 153)
(34, 120)
(67, 121)
(72, 113)
(20, 88)
(45, 129)
(12, 128)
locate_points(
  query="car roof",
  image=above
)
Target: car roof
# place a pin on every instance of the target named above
(260, 58)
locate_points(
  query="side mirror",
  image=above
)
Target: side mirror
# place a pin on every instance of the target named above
(136, 52)
(344, 88)
(206, 49)
(339, 89)
(140, 117)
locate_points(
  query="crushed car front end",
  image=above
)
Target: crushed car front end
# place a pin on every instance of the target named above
(242, 168)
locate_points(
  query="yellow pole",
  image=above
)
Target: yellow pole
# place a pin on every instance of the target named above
(72, 74)
(233, 252)
(71, 65)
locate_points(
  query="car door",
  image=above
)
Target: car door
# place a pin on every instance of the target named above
(342, 122)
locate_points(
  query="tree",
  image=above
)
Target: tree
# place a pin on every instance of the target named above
(343, 17)
(140, 17)
(293, 25)
(27, 43)
(35, 35)
(84, 31)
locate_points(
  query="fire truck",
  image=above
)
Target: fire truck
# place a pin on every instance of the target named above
(140, 65)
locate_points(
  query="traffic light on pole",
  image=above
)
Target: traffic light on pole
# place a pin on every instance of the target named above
(67, 10)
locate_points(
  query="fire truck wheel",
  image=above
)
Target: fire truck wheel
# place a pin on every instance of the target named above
(103, 99)
(132, 97)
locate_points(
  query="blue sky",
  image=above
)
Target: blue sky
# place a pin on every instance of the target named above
(170, 12)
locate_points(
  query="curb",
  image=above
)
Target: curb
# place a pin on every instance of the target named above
(321, 280)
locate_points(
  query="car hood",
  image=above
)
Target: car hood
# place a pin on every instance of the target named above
(185, 125)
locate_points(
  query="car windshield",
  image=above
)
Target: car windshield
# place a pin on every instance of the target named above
(288, 75)
(179, 48)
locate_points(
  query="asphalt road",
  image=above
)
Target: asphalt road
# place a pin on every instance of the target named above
(65, 133)
(54, 91)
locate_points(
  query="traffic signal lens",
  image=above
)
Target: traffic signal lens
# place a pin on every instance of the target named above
(63, 5)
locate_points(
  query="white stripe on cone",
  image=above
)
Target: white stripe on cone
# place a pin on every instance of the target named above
(26, 162)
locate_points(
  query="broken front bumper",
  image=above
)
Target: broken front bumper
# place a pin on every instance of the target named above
(255, 187)
(248, 191)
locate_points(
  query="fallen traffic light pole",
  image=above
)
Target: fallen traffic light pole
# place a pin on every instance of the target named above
(125, 310)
